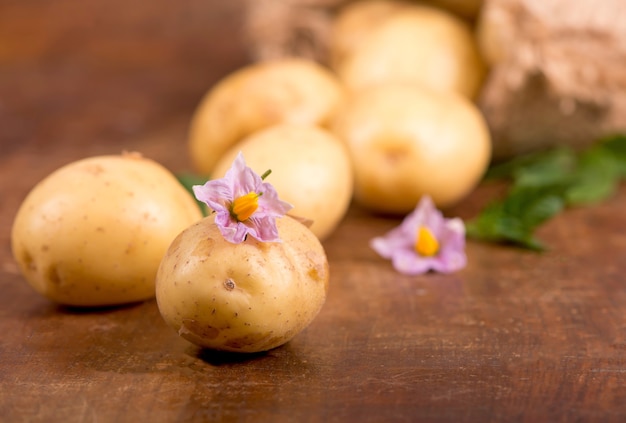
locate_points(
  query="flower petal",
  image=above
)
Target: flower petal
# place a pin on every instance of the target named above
(216, 194)
(394, 240)
(452, 257)
(265, 229)
(409, 263)
(399, 243)
(270, 203)
(240, 180)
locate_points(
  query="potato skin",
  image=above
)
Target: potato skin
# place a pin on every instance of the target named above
(355, 21)
(419, 45)
(93, 232)
(311, 169)
(289, 90)
(406, 141)
(246, 297)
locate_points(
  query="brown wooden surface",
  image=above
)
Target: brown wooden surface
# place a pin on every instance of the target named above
(515, 336)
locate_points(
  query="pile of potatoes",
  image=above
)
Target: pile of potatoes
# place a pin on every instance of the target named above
(390, 119)
(118, 229)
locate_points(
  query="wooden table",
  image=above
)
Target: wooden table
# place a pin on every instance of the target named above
(516, 336)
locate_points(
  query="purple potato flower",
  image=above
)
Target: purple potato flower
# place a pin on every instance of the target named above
(243, 203)
(424, 241)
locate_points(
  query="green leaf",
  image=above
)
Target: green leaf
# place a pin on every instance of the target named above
(535, 167)
(514, 219)
(188, 180)
(551, 168)
(539, 208)
(543, 184)
(615, 146)
(595, 179)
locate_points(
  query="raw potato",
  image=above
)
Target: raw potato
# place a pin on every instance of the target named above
(279, 28)
(406, 141)
(93, 232)
(288, 90)
(418, 44)
(246, 297)
(310, 167)
(355, 21)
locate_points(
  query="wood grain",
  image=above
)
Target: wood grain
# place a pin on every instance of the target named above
(516, 336)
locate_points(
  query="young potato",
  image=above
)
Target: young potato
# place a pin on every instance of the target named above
(406, 141)
(310, 167)
(421, 45)
(93, 232)
(355, 21)
(247, 297)
(289, 90)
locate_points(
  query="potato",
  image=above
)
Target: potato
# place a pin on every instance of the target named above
(310, 167)
(286, 90)
(93, 232)
(420, 45)
(355, 21)
(406, 141)
(247, 297)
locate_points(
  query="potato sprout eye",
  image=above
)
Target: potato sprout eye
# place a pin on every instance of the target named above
(229, 284)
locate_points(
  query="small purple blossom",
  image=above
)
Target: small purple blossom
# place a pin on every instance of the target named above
(243, 203)
(442, 249)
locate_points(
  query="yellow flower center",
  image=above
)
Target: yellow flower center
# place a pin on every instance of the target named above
(243, 207)
(425, 243)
